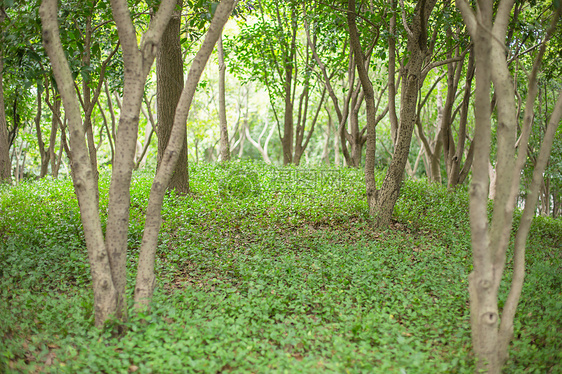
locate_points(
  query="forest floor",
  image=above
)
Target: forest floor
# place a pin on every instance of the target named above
(267, 270)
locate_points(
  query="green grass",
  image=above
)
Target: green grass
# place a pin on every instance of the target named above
(265, 270)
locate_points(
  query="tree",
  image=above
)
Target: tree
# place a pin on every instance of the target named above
(169, 71)
(108, 257)
(257, 143)
(90, 88)
(145, 277)
(272, 48)
(5, 161)
(328, 28)
(224, 142)
(381, 201)
(490, 240)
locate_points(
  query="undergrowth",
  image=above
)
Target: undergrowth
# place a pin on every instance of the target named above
(267, 270)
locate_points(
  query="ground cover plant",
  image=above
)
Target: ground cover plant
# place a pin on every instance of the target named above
(261, 270)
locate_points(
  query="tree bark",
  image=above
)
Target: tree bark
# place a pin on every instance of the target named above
(5, 161)
(138, 61)
(105, 295)
(356, 142)
(107, 259)
(145, 276)
(44, 153)
(288, 123)
(455, 172)
(169, 73)
(490, 337)
(53, 157)
(369, 95)
(382, 202)
(88, 103)
(392, 74)
(224, 142)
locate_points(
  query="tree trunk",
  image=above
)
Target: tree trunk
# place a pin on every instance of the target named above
(300, 141)
(43, 153)
(556, 204)
(492, 187)
(224, 142)
(382, 203)
(369, 94)
(435, 155)
(53, 157)
(392, 74)
(89, 104)
(326, 150)
(169, 73)
(56, 123)
(145, 277)
(287, 139)
(454, 176)
(289, 51)
(432, 156)
(5, 161)
(545, 197)
(257, 144)
(107, 259)
(104, 291)
(355, 132)
(491, 337)
(138, 62)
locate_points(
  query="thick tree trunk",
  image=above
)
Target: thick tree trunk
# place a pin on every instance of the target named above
(5, 161)
(489, 245)
(382, 204)
(105, 296)
(224, 142)
(107, 259)
(169, 73)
